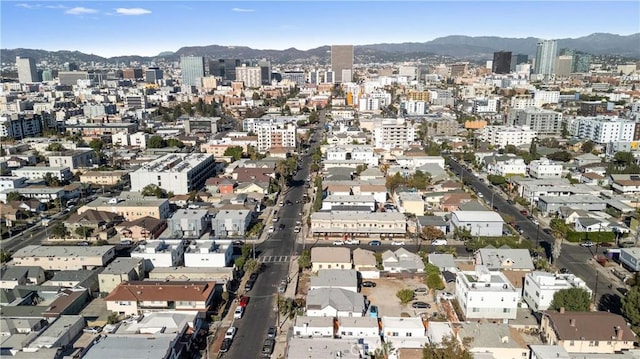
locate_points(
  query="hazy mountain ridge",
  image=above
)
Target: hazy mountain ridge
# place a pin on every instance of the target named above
(473, 48)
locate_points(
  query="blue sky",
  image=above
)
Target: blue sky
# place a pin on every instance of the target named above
(111, 28)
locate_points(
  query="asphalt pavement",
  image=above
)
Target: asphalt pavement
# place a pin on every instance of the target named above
(276, 252)
(574, 258)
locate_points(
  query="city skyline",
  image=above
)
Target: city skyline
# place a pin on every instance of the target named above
(149, 28)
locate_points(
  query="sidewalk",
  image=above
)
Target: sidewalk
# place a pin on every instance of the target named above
(285, 325)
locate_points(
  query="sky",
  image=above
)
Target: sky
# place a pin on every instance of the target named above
(114, 28)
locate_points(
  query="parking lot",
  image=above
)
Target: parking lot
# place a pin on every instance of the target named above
(384, 296)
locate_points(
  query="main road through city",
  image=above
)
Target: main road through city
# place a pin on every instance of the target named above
(572, 257)
(261, 311)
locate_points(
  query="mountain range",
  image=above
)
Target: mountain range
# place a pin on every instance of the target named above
(456, 46)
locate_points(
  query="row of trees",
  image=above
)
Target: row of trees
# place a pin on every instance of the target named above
(237, 152)
(419, 180)
(159, 142)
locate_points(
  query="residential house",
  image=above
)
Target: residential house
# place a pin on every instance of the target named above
(404, 332)
(478, 223)
(189, 223)
(570, 215)
(364, 261)
(12, 276)
(438, 331)
(87, 279)
(160, 253)
(97, 221)
(496, 340)
(590, 224)
(231, 222)
(540, 287)
(505, 165)
(402, 261)
(496, 259)
(593, 179)
(346, 279)
(451, 201)
(313, 326)
(587, 332)
(371, 174)
(141, 229)
(411, 203)
(549, 205)
(63, 257)
(204, 253)
(133, 298)
(378, 191)
(334, 302)
(486, 294)
(131, 206)
(74, 159)
(548, 352)
(352, 200)
(436, 222)
(59, 334)
(220, 185)
(625, 183)
(444, 261)
(253, 187)
(586, 159)
(104, 178)
(330, 258)
(357, 327)
(122, 269)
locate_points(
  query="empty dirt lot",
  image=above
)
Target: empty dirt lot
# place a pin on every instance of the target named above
(384, 296)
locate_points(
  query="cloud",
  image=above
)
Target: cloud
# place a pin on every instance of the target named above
(132, 11)
(80, 11)
(27, 6)
(237, 9)
(55, 6)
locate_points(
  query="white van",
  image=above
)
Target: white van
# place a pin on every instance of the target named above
(439, 242)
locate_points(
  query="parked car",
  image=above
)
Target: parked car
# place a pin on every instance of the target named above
(511, 202)
(373, 311)
(249, 285)
(243, 301)
(524, 213)
(564, 271)
(282, 287)
(267, 346)
(368, 284)
(446, 296)
(605, 244)
(92, 330)
(338, 243)
(375, 243)
(352, 241)
(397, 243)
(420, 291)
(439, 242)
(238, 313)
(271, 332)
(420, 305)
(296, 230)
(271, 229)
(226, 345)
(587, 244)
(230, 333)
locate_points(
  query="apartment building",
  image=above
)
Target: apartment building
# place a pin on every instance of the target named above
(64, 257)
(75, 159)
(19, 126)
(160, 253)
(603, 130)
(205, 253)
(544, 122)
(545, 168)
(177, 172)
(377, 224)
(501, 136)
(540, 287)
(251, 76)
(393, 133)
(130, 206)
(484, 294)
(38, 173)
(104, 178)
(272, 135)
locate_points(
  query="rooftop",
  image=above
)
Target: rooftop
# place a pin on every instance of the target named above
(174, 163)
(62, 251)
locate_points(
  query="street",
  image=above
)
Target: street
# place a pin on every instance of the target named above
(572, 257)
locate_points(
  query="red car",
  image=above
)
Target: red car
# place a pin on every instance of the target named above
(244, 300)
(524, 213)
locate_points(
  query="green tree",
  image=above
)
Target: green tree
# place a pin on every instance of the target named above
(83, 231)
(562, 156)
(588, 146)
(5, 256)
(56, 147)
(174, 142)
(239, 262)
(449, 348)
(304, 261)
(572, 300)
(156, 142)
(151, 190)
(497, 180)
(51, 181)
(533, 148)
(13, 196)
(59, 231)
(252, 265)
(434, 281)
(96, 145)
(405, 295)
(631, 307)
(234, 151)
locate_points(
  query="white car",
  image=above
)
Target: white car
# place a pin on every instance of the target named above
(352, 241)
(338, 243)
(447, 296)
(271, 229)
(275, 219)
(231, 332)
(398, 243)
(238, 313)
(296, 230)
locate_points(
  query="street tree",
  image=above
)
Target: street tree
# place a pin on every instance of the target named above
(13, 196)
(588, 146)
(96, 145)
(430, 233)
(448, 348)
(572, 300)
(304, 261)
(152, 190)
(631, 307)
(59, 231)
(156, 142)
(234, 151)
(83, 231)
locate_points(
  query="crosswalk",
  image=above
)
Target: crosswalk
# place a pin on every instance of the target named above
(275, 259)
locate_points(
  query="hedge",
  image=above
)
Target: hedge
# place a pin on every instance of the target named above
(596, 237)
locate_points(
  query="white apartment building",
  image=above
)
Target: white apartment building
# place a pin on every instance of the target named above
(604, 129)
(38, 172)
(138, 139)
(351, 200)
(512, 166)
(177, 172)
(7, 182)
(160, 253)
(546, 122)
(250, 76)
(483, 294)
(545, 168)
(539, 287)
(501, 136)
(486, 105)
(361, 153)
(413, 108)
(520, 103)
(394, 133)
(272, 135)
(208, 254)
(546, 97)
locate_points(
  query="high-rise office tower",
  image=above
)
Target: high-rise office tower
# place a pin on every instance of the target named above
(546, 53)
(265, 72)
(250, 76)
(342, 59)
(192, 70)
(152, 75)
(501, 62)
(27, 72)
(518, 59)
(564, 65)
(581, 63)
(225, 68)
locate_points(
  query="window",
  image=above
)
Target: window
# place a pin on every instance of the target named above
(408, 334)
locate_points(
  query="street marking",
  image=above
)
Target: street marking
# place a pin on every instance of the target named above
(275, 259)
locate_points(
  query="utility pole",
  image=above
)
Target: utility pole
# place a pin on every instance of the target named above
(595, 288)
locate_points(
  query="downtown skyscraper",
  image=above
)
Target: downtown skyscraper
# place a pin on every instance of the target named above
(342, 62)
(27, 72)
(192, 70)
(546, 53)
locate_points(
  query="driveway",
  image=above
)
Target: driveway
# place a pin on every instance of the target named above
(384, 296)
